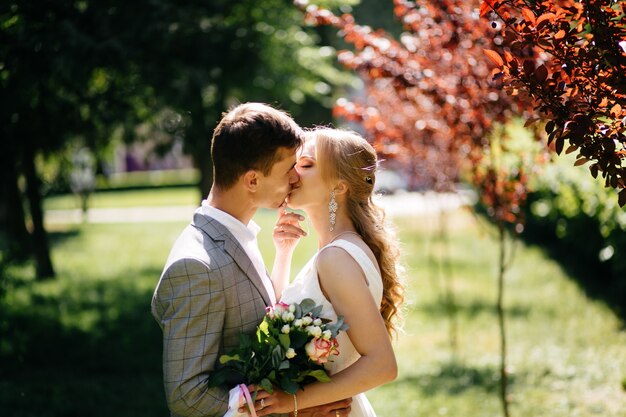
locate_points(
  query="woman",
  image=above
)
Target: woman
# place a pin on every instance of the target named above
(353, 273)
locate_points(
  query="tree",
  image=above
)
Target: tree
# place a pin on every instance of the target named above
(204, 56)
(569, 59)
(82, 69)
(48, 57)
(430, 102)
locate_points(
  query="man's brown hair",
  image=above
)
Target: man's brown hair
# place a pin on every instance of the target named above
(249, 137)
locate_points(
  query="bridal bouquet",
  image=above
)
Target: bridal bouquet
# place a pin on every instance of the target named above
(289, 349)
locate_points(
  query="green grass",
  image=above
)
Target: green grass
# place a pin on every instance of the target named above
(147, 197)
(85, 343)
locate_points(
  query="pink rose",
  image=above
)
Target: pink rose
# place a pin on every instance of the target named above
(319, 349)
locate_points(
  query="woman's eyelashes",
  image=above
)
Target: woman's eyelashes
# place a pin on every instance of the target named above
(305, 163)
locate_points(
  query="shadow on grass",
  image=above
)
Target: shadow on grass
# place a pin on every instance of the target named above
(593, 278)
(89, 348)
(473, 309)
(453, 379)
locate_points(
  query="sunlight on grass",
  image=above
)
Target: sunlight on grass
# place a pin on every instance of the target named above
(137, 198)
(567, 353)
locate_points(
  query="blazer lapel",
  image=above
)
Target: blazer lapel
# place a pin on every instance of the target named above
(218, 232)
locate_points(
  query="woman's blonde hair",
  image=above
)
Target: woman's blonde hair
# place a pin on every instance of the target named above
(345, 155)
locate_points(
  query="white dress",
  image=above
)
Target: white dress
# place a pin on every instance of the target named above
(306, 285)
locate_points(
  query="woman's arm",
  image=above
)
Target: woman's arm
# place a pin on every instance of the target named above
(346, 287)
(286, 235)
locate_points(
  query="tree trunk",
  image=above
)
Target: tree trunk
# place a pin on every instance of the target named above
(202, 160)
(12, 218)
(501, 321)
(446, 272)
(200, 137)
(41, 248)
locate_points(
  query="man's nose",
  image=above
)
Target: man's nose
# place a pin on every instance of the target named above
(294, 177)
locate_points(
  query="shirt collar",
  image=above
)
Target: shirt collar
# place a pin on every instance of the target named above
(247, 232)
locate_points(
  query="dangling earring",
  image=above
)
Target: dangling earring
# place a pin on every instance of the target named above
(332, 210)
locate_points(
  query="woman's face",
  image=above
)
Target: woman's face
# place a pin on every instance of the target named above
(311, 190)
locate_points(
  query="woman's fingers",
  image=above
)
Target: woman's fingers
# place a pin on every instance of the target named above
(289, 230)
(290, 218)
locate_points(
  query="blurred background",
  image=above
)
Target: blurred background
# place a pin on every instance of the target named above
(107, 110)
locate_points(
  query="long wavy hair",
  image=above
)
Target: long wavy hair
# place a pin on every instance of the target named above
(345, 155)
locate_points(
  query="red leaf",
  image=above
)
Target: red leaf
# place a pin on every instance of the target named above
(581, 161)
(541, 73)
(616, 110)
(484, 9)
(558, 145)
(494, 57)
(545, 17)
(570, 149)
(529, 16)
(622, 198)
(529, 67)
(560, 34)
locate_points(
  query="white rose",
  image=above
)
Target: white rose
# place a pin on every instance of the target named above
(326, 334)
(292, 308)
(290, 353)
(298, 323)
(314, 331)
(285, 329)
(317, 322)
(287, 316)
(307, 320)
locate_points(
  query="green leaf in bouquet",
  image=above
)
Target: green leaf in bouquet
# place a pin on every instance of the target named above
(315, 312)
(307, 305)
(298, 313)
(228, 358)
(288, 385)
(277, 356)
(226, 377)
(320, 375)
(338, 326)
(267, 385)
(283, 365)
(285, 340)
(263, 329)
(245, 341)
(298, 339)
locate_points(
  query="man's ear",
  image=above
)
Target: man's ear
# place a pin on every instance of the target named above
(251, 180)
(341, 188)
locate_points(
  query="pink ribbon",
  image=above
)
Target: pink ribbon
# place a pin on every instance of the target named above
(246, 395)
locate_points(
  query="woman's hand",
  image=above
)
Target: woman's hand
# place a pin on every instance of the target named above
(287, 232)
(265, 403)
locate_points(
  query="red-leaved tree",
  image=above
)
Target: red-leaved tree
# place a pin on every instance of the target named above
(569, 59)
(430, 102)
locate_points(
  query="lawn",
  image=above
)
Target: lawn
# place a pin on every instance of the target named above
(85, 344)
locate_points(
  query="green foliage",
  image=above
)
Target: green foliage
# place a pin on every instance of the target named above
(576, 211)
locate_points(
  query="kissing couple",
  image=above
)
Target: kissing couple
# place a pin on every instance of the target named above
(215, 286)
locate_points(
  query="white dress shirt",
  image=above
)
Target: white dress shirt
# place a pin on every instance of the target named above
(246, 236)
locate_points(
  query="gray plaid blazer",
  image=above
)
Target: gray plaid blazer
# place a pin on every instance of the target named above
(209, 293)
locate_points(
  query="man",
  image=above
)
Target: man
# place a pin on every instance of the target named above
(214, 285)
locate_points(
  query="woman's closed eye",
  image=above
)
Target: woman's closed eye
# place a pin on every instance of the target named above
(305, 163)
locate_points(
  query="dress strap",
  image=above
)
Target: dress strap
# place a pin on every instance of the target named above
(359, 255)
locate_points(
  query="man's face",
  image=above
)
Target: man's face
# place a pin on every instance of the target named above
(274, 188)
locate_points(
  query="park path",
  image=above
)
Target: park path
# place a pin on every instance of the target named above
(402, 204)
